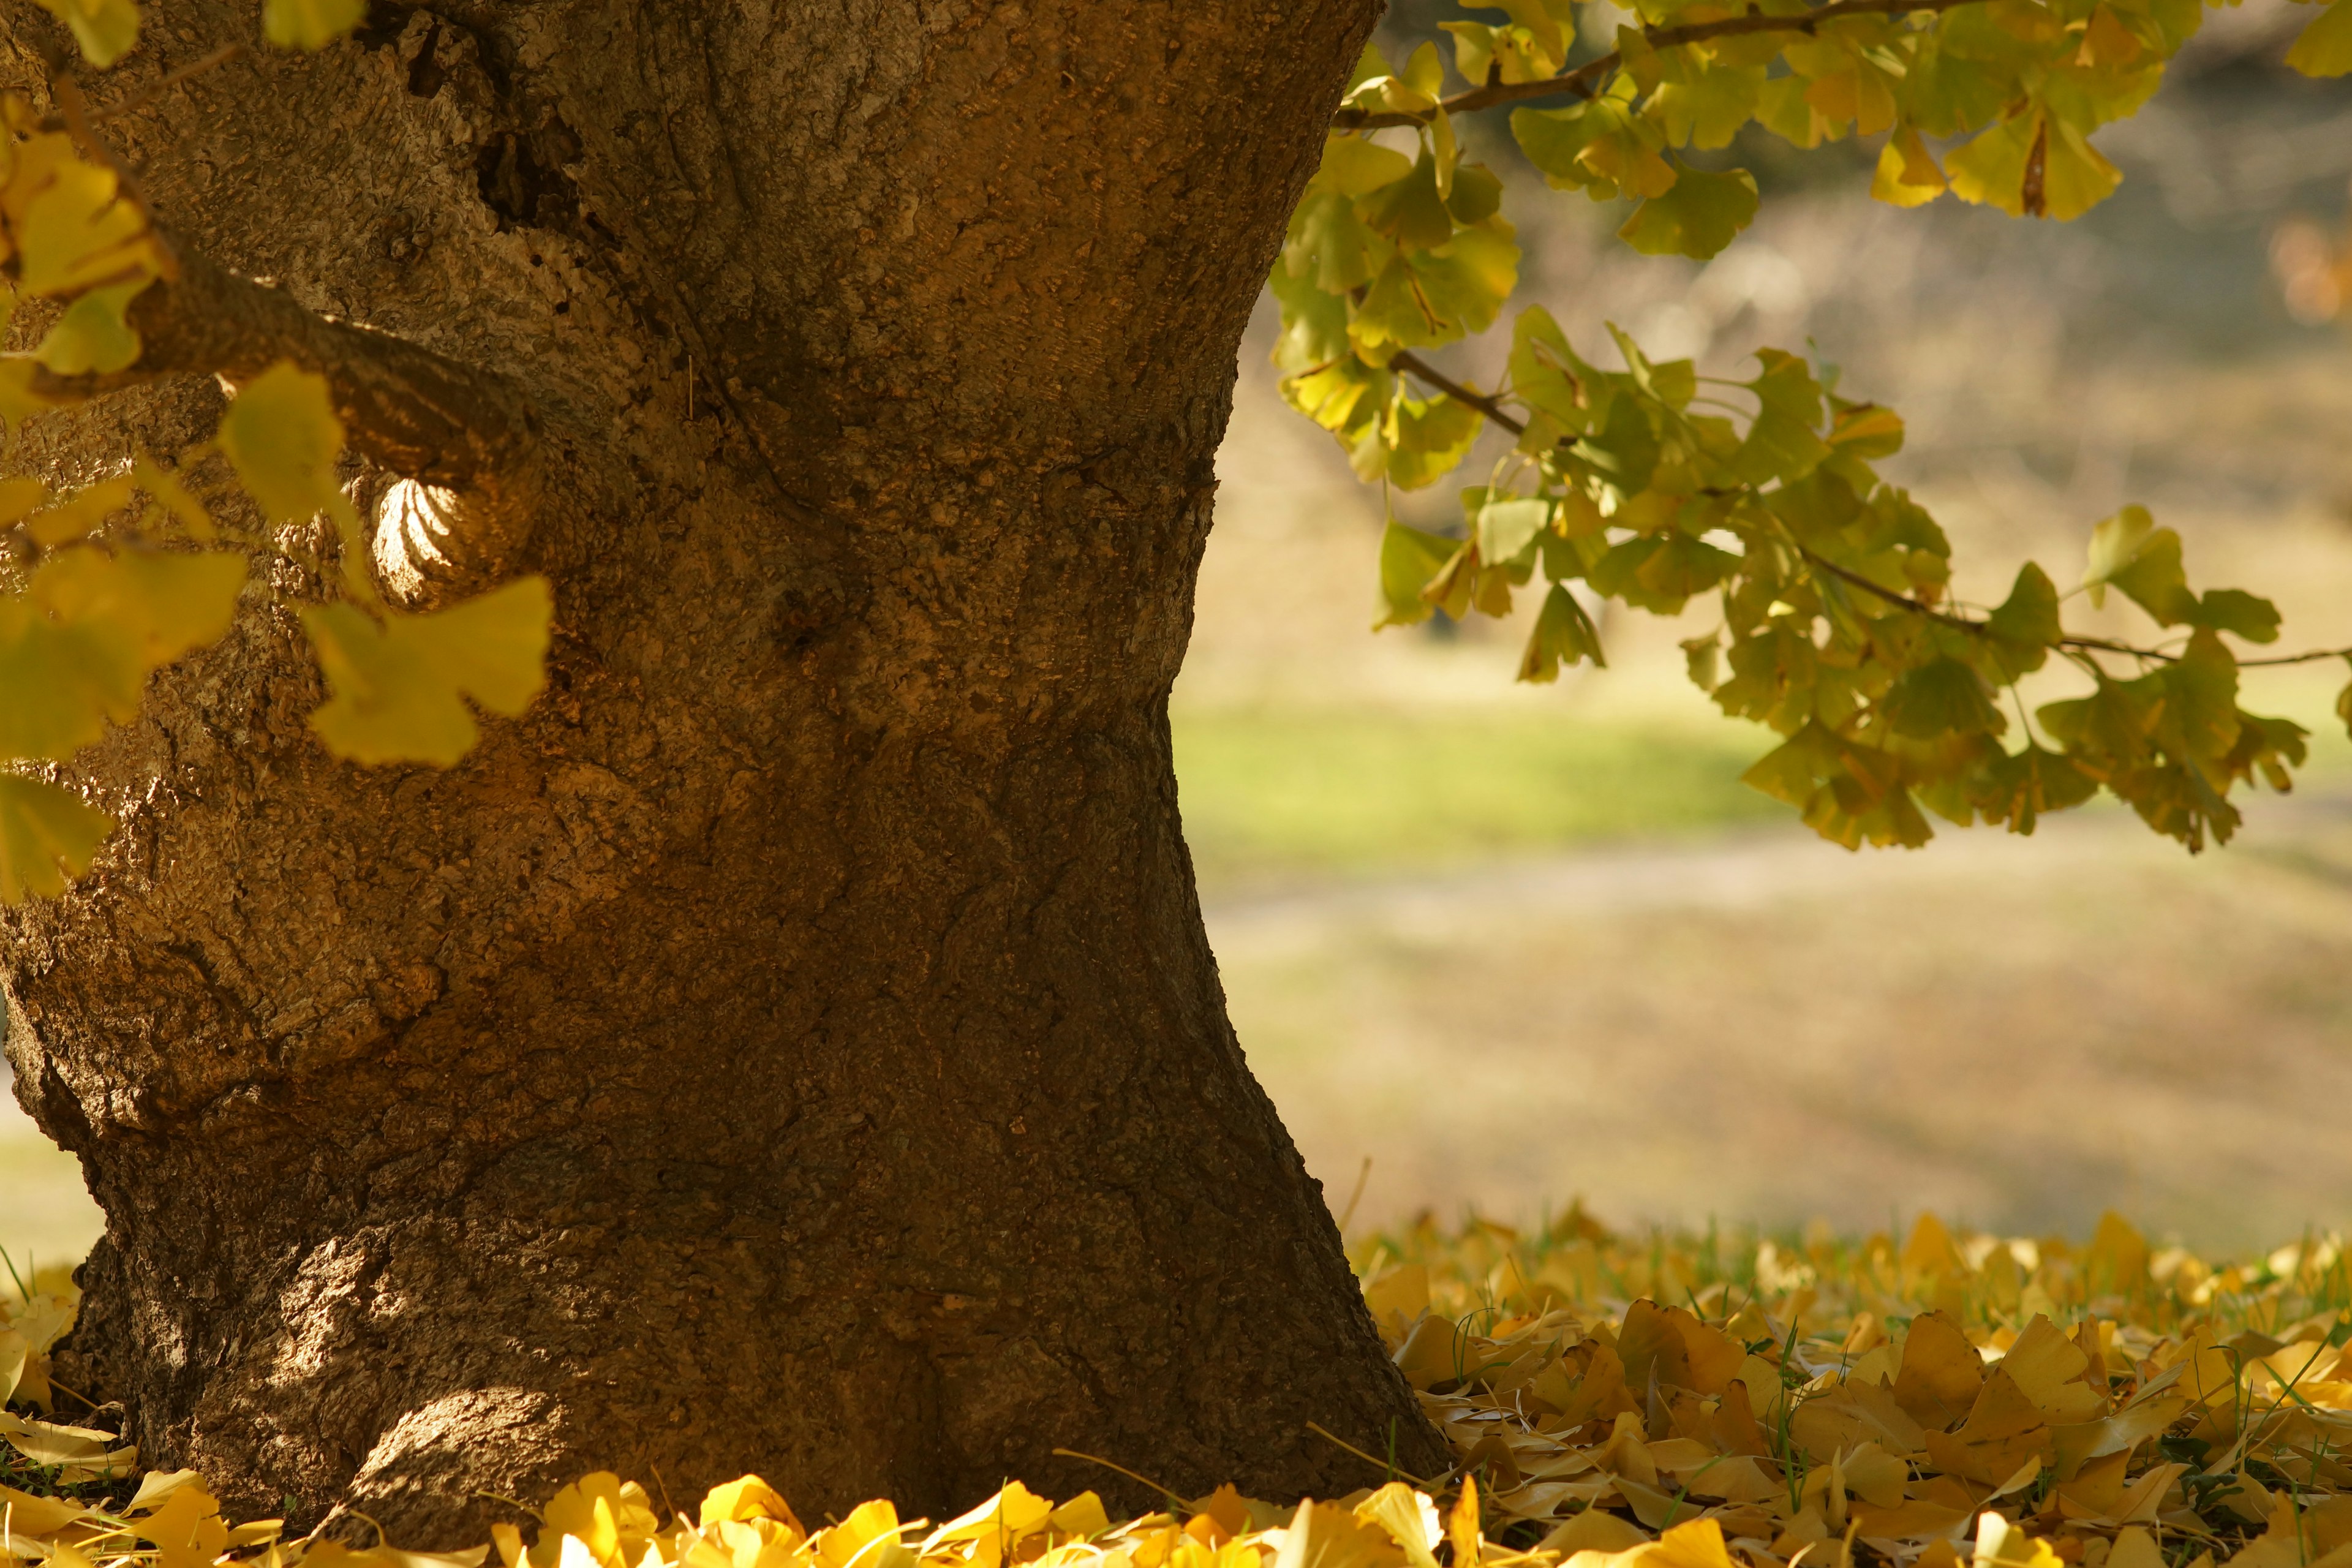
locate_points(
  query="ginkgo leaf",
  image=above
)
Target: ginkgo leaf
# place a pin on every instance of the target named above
(2026, 624)
(1353, 166)
(2324, 48)
(79, 513)
(19, 499)
(62, 682)
(2237, 612)
(1507, 524)
(1564, 634)
(1906, 175)
(104, 30)
(282, 436)
(165, 603)
(399, 684)
(19, 401)
(1942, 697)
(1409, 559)
(2116, 542)
(1990, 170)
(93, 336)
(2077, 177)
(310, 24)
(1701, 214)
(187, 1530)
(79, 231)
(48, 836)
(175, 498)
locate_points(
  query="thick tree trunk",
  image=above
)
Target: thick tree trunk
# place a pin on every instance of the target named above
(793, 1045)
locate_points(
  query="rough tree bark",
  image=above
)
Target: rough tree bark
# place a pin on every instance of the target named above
(793, 1045)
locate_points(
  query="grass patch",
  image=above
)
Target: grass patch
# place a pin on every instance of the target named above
(1271, 792)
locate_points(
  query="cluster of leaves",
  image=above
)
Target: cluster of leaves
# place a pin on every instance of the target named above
(102, 586)
(1651, 485)
(1957, 1398)
(1648, 486)
(2100, 1404)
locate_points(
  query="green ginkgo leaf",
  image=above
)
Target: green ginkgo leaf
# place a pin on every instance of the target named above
(1701, 214)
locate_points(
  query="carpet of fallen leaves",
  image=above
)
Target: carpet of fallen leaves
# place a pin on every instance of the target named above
(1662, 1401)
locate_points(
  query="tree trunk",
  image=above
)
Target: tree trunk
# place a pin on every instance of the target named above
(793, 1045)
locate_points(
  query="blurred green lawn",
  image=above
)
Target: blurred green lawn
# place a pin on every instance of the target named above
(1271, 795)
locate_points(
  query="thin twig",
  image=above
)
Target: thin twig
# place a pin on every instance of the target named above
(165, 83)
(1413, 365)
(1585, 78)
(74, 110)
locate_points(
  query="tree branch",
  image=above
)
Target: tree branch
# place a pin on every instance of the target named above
(1413, 365)
(1585, 78)
(469, 437)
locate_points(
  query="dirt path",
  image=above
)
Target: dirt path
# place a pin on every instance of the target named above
(1765, 1028)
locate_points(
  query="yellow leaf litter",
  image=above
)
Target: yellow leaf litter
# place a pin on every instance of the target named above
(1663, 1401)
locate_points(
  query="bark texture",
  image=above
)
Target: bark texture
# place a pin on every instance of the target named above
(793, 1045)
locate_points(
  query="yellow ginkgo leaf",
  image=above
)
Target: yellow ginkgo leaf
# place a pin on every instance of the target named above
(282, 437)
(62, 681)
(165, 603)
(173, 497)
(105, 29)
(2326, 46)
(310, 24)
(1906, 175)
(19, 401)
(187, 1530)
(399, 684)
(79, 513)
(79, 231)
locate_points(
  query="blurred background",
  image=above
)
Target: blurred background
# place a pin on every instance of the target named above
(1516, 945)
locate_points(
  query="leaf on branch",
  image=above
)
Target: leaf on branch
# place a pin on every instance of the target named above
(282, 437)
(1990, 170)
(1697, 217)
(48, 836)
(104, 30)
(1353, 166)
(2026, 624)
(2129, 551)
(78, 645)
(310, 24)
(1782, 442)
(19, 401)
(1507, 524)
(2324, 48)
(64, 682)
(1564, 634)
(93, 337)
(164, 605)
(1906, 175)
(399, 685)
(1942, 697)
(73, 227)
(78, 514)
(2237, 612)
(2022, 787)
(1410, 558)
